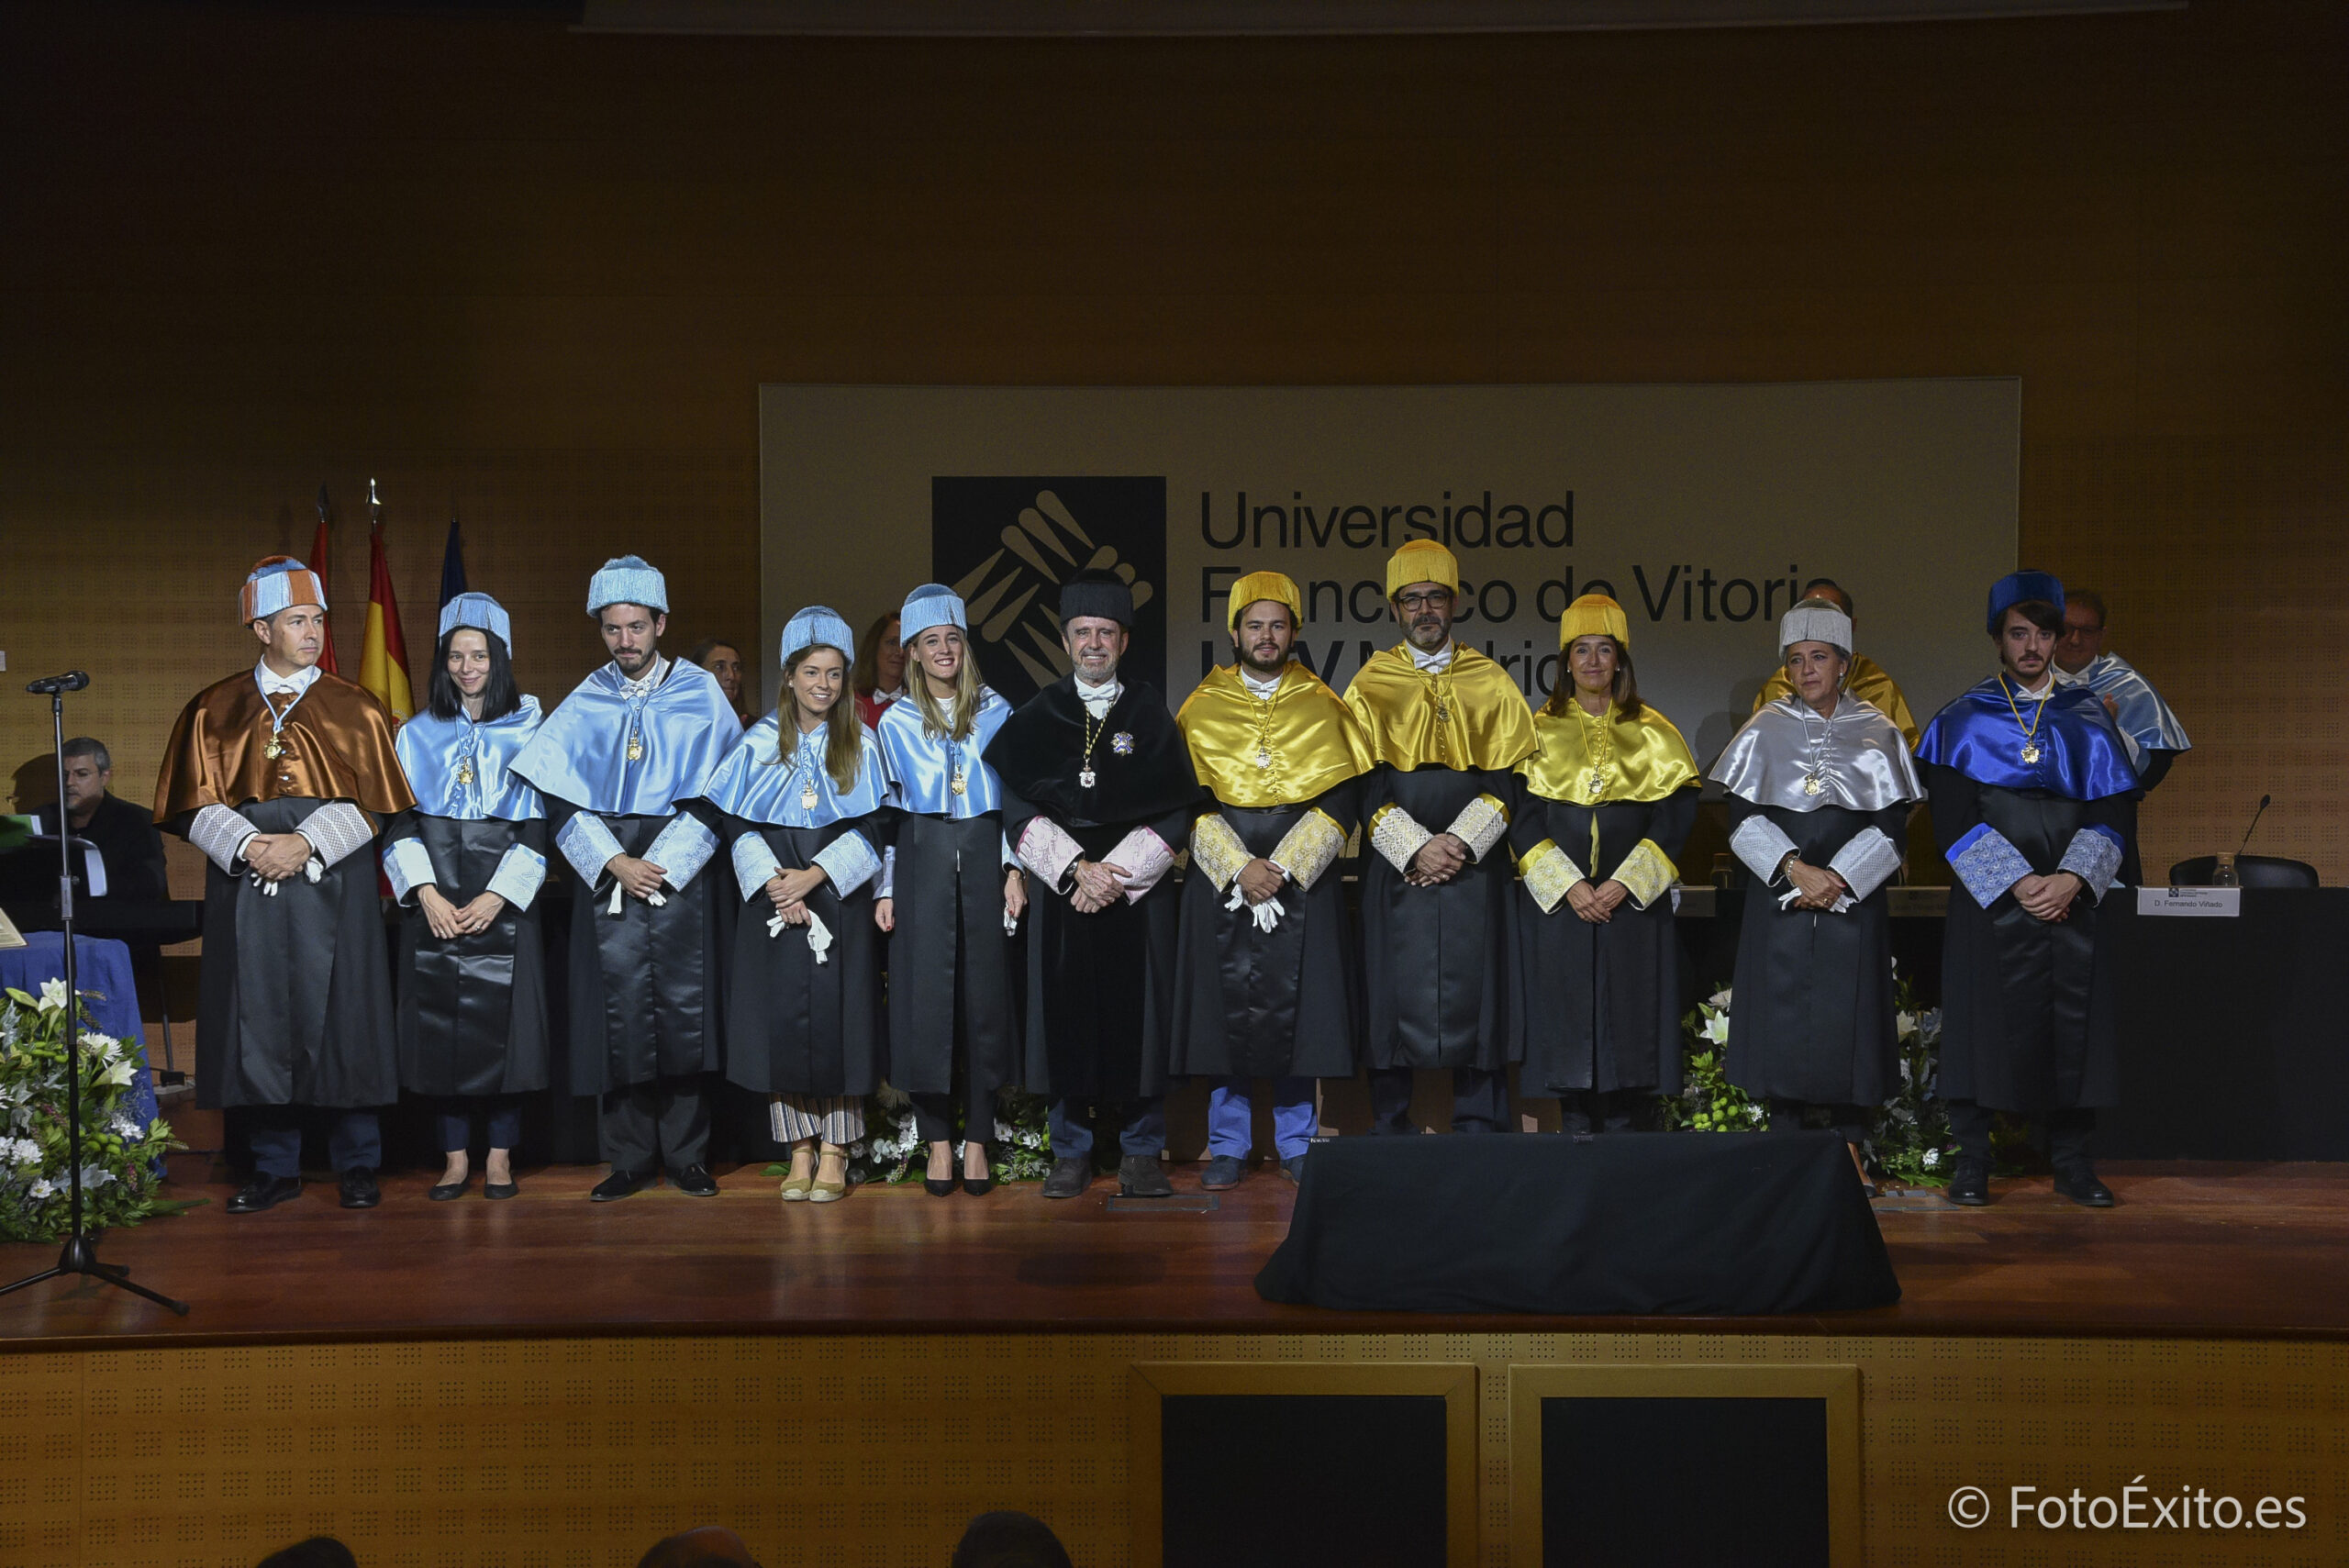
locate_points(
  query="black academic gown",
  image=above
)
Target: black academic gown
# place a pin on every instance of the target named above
(129, 844)
(472, 1011)
(950, 957)
(1437, 990)
(1278, 1004)
(793, 1026)
(1813, 1016)
(1100, 986)
(647, 984)
(1602, 1003)
(294, 1005)
(2028, 1006)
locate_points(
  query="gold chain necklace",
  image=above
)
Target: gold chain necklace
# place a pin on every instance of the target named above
(1084, 774)
(2030, 730)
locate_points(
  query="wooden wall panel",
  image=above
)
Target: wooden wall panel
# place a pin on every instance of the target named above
(541, 274)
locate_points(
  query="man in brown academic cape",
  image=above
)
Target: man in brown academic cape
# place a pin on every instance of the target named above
(279, 775)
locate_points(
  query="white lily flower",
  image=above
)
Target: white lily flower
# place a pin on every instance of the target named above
(52, 995)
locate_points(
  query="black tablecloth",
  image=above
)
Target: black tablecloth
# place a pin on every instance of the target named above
(1628, 1224)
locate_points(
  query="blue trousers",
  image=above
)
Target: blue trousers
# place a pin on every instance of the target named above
(1141, 1128)
(276, 1138)
(1230, 1116)
(504, 1122)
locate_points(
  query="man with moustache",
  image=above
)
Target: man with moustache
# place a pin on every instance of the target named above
(2156, 738)
(1446, 726)
(1267, 975)
(282, 776)
(1097, 791)
(2030, 784)
(615, 762)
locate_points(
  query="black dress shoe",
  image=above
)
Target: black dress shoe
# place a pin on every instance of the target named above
(1969, 1184)
(695, 1181)
(1140, 1175)
(1071, 1175)
(979, 1186)
(1293, 1169)
(619, 1185)
(265, 1192)
(936, 1188)
(359, 1188)
(1221, 1175)
(500, 1189)
(2080, 1184)
(449, 1192)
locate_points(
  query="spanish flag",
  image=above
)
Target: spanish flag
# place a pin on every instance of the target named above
(383, 657)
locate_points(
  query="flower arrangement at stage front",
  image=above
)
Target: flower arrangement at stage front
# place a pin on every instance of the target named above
(892, 1151)
(1708, 1101)
(119, 1156)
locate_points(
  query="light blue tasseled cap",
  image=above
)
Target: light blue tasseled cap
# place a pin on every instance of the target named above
(483, 614)
(932, 604)
(818, 626)
(628, 580)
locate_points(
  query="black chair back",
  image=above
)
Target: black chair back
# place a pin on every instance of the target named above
(2250, 871)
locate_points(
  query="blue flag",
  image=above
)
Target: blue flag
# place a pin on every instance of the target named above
(452, 565)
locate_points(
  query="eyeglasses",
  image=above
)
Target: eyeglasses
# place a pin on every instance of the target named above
(1415, 602)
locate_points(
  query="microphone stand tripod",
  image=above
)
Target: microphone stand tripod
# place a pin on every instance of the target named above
(80, 1254)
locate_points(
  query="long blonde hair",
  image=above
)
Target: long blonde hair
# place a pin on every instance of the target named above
(936, 722)
(843, 747)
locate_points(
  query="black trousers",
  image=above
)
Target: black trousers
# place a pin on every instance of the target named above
(503, 1113)
(1852, 1121)
(934, 1116)
(1599, 1110)
(2068, 1134)
(1479, 1099)
(355, 1141)
(665, 1121)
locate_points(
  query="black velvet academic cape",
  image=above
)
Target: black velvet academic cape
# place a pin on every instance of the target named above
(950, 960)
(2028, 1006)
(1811, 1019)
(793, 1026)
(294, 1005)
(1600, 1004)
(647, 984)
(1439, 961)
(1283, 1003)
(1100, 986)
(472, 1011)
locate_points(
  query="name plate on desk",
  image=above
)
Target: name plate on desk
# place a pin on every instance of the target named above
(2206, 903)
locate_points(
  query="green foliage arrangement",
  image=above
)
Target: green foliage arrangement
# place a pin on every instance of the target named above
(893, 1150)
(1708, 1101)
(119, 1156)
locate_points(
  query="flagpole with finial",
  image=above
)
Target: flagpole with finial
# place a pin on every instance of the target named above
(318, 563)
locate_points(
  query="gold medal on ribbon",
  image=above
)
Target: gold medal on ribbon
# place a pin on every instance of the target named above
(1085, 779)
(1811, 785)
(955, 784)
(275, 750)
(465, 772)
(2030, 753)
(635, 750)
(808, 795)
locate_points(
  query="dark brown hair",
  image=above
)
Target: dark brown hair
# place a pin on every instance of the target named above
(843, 747)
(1625, 691)
(868, 656)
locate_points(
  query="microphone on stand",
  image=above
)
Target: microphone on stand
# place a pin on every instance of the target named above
(2255, 822)
(71, 681)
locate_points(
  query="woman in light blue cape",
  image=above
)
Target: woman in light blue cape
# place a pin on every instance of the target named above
(467, 864)
(801, 792)
(951, 895)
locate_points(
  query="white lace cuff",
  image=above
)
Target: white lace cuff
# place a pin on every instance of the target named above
(888, 888)
(1217, 852)
(1046, 848)
(1764, 846)
(335, 831)
(1866, 861)
(1311, 847)
(850, 861)
(1549, 872)
(1480, 824)
(753, 863)
(407, 866)
(589, 842)
(681, 848)
(1647, 874)
(1395, 836)
(2093, 856)
(1986, 863)
(522, 872)
(1145, 856)
(220, 833)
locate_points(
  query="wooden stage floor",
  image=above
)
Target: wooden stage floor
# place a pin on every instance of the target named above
(2194, 1251)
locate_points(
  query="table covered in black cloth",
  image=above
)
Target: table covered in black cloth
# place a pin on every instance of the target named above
(1622, 1225)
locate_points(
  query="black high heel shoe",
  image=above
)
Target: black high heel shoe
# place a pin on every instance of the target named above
(936, 1188)
(979, 1186)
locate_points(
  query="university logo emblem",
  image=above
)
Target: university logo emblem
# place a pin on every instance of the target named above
(1008, 544)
